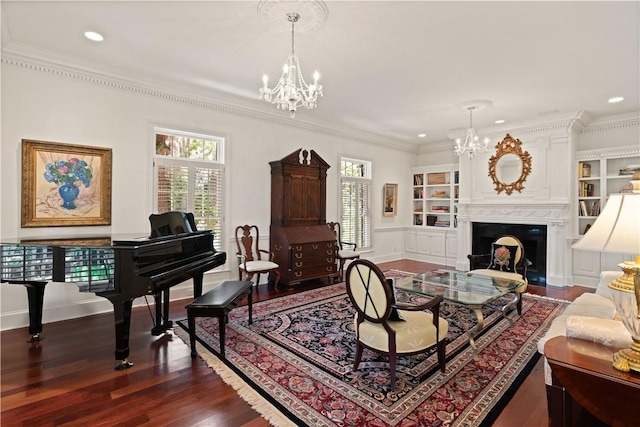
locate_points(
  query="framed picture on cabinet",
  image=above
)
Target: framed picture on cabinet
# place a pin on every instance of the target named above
(390, 198)
(65, 184)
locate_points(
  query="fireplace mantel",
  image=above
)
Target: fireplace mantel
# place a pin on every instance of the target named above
(521, 213)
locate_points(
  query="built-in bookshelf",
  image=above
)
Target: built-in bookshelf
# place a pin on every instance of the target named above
(600, 174)
(435, 196)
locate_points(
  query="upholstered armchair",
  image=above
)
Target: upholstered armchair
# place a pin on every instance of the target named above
(505, 261)
(388, 328)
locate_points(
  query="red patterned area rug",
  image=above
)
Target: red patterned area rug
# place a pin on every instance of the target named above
(294, 363)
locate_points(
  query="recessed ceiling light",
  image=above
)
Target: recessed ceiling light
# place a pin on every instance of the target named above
(422, 135)
(615, 99)
(499, 121)
(92, 35)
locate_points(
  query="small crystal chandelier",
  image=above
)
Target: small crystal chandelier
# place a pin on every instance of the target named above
(291, 90)
(472, 145)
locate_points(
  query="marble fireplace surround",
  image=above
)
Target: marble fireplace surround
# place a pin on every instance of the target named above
(554, 216)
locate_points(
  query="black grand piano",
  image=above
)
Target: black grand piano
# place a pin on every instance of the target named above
(118, 268)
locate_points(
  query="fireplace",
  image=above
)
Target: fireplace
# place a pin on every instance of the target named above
(532, 236)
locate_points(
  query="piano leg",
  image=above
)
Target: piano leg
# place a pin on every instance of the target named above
(162, 322)
(35, 294)
(122, 317)
(197, 284)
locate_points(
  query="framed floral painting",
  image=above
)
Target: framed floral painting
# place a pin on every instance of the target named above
(390, 200)
(65, 185)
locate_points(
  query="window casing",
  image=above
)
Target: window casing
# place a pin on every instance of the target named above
(189, 177)
(355, 201)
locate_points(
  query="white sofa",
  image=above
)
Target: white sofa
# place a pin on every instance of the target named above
(592, 316)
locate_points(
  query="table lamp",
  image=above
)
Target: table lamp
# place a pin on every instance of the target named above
(617, 230)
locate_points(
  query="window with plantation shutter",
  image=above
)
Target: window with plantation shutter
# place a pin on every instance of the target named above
(355, 201)
(189, 177)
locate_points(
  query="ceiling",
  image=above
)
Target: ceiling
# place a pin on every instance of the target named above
(391, 69)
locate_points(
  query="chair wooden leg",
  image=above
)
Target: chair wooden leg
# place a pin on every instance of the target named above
(359, 349)
(392, 369)
(442, 361)
(275, 283)
(249, 276)
(392, 360)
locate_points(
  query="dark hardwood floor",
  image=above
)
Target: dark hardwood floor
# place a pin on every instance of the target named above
(68, 379)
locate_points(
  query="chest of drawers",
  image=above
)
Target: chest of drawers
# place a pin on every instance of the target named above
(304, 253)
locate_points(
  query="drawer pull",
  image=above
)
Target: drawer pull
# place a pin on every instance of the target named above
(299, 256)
(298, 248)
(314, 246)
(277, 247)
(329, 260)
(329, 269)
(329, 252)
(298, 264)
(298, 273)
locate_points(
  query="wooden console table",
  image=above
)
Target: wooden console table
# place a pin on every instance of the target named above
(583, 373)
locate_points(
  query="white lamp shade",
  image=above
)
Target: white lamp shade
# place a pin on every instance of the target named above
(617, 228)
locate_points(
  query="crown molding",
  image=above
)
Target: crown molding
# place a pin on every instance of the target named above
(111, 80)
(626, 151)
(614, 122)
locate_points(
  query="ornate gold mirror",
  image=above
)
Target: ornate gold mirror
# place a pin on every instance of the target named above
(510, 166)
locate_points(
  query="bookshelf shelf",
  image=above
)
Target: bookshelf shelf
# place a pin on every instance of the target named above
(601, 173)
(433, 188)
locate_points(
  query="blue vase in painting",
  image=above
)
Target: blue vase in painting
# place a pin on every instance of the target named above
(68, 192)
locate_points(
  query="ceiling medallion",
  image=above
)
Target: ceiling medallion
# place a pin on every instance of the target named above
(313, 13)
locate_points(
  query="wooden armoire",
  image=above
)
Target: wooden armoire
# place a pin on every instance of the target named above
(303, 244)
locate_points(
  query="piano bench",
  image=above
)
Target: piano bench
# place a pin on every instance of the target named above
(218, 302)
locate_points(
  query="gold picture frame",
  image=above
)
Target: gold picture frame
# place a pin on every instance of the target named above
(510, 166)
(65, 184)
(390, 200)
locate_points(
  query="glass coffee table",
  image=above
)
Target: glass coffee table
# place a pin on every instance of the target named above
(460, 287)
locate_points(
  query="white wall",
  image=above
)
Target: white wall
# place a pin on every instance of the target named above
(51, 104)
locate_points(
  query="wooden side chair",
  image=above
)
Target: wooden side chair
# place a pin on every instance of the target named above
(505, 261)
(346, 251)
(251, 259)
(415, 330)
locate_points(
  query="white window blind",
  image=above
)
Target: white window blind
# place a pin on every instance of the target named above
(190, 178)
(172, 188)
(355, 202)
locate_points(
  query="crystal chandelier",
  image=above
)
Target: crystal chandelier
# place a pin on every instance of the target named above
(472, 145)
(291, 90)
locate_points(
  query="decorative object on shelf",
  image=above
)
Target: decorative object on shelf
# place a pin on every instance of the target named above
(629, 170)
(292, 91)
(65, 185)
(437, 178)
(390, 200)
(472, 144)
(617, 230)
(510, 166)
(584, 170)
